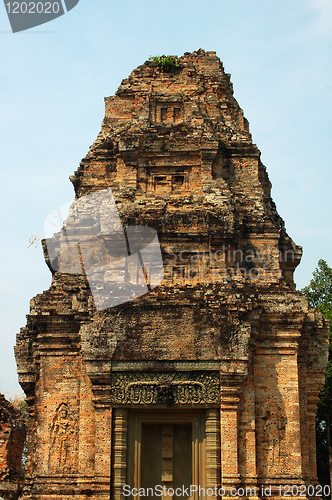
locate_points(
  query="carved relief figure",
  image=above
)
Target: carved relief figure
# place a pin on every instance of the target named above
(274, 425)
(62, 433)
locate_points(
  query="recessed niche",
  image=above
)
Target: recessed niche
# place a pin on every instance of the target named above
(161, 184)
(178, 182)
(167, 112)
(164, 179)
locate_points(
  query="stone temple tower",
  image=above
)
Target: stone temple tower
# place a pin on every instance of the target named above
(211, 378)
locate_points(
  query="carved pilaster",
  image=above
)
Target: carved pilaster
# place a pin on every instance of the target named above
(212, 435)
(303, 399)
(208, 155)
(119, 469)
(229, 392)
(312, 409)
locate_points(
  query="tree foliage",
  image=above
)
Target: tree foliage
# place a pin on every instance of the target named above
(319, 295)
(319, 291)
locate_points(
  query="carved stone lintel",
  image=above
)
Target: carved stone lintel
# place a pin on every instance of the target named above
(170, 389)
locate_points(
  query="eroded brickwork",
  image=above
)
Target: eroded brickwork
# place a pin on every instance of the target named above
(12, 438)
(224, 350)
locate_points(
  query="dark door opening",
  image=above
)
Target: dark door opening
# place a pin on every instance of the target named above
(166, 459)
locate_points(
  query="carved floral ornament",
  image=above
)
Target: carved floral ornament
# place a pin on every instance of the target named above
(170, 389)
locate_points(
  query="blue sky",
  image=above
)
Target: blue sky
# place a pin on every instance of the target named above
(53, 81)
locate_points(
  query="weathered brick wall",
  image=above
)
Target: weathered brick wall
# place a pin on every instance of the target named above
(12, 438)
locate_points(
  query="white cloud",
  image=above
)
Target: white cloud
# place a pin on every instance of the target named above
(323, 9)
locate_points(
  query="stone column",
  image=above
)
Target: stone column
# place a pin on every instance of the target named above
(312, 408)
(314, 382)
(230, 388)
(279, 460)
(119, 452)
(128, 174)
(247, 439)
(303, 399)
(212, 435)
(103, 435)
(97, 348)
(208, 155)
(103, 441)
